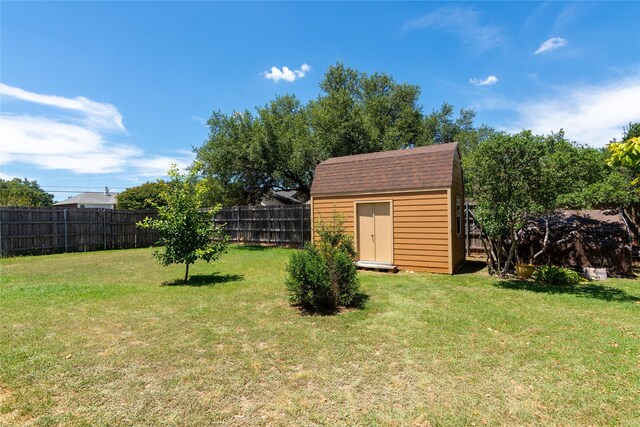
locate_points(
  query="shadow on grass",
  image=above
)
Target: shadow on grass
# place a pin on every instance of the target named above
(206, 280)
(241, 247)
(472, 266)
(359, 303)
(586, 290)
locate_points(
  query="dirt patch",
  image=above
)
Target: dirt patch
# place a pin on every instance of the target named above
(8, 418)
(5, 394)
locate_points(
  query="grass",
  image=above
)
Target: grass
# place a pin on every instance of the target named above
(111, 338)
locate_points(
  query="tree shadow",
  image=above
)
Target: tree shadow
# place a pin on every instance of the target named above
(472, 266)
(241, 247)
(198, 280)
(359, 303)
(586, 290)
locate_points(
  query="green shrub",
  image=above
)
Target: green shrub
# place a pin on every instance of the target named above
(309, 283)
(553, 275)
(323, 276)
(332, 235)
(344, 274)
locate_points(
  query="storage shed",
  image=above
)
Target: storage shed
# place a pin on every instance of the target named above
(403, 207)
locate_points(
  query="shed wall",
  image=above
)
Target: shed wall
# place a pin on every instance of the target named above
(457, 240)
(421, 227)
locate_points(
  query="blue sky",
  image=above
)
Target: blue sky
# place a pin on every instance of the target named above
(101, 94)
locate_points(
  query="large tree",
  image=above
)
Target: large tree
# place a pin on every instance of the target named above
(360, 113)
(228, 157)
(284, 148)
(24, 193)
(440, 126)
(504, 175)
(278, 147)
(515, 177)
(604, 178)
(144, 196)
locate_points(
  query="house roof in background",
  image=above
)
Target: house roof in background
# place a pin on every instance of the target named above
(408, 169)
(89, 198)
(290, 197)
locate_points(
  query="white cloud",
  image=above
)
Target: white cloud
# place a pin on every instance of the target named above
(462, 22)
(491, 80)
(588, 114)
(159, 165)
(6, 177)
(286, 74)
(96, 114)
(49, 144)
(551, 44)
(64, 141)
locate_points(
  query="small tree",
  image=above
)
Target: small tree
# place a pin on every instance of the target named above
(187, 231)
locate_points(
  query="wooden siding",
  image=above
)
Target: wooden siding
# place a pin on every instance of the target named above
(457, 190)
(421, 230)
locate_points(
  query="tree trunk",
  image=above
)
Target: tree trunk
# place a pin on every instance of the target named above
(545, 242)
(186, 273)
(628, 219)
(487, 253)
(512, 249)
(498, 263)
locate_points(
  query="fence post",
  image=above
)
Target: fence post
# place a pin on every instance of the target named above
(66, 241)
(104, 228)
(302, 225)
(238, 225)
(269, 225)
(213, 221)
(1, 232)
(466, 230)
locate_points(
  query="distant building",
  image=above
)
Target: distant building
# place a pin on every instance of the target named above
(280, 198)
(105, 200)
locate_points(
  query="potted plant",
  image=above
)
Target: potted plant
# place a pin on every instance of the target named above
(524, 271)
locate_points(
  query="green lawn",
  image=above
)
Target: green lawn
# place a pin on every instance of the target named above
(95, 339)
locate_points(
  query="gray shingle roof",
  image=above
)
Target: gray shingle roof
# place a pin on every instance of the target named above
(89, 199)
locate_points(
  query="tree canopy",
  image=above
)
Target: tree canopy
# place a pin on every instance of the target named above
(278, 147)
(627, 155)
(23, 193)
(144, 196)
(514, 177)
(504, 174)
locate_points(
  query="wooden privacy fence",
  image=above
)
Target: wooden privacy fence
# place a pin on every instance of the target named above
(52, 230)
(267, 225)
(473, 236)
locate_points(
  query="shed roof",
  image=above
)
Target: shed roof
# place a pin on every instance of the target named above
(416, 168)
(90, 198)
